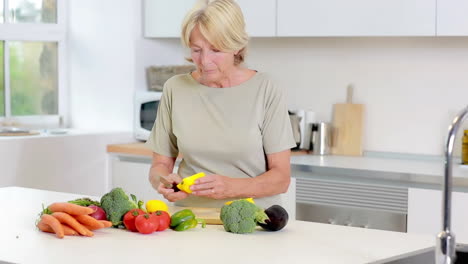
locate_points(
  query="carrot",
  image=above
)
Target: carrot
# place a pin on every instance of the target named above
(69, 231)
(65, 218)
(66, 229)
(70, 208)
(53, 223)
(106, 223)
(90, 222)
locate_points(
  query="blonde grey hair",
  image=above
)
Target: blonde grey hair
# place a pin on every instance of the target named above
(221, 22)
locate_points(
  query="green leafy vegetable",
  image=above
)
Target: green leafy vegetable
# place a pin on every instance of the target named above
(85, 202)
(242, 216)
(116, 203)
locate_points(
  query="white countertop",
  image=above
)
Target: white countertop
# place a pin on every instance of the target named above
(403, 169)
(299, 242)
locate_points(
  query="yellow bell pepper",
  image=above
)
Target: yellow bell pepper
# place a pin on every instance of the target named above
(247, 199)
(185, 184)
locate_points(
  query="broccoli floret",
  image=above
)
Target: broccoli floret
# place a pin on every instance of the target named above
(116, 203)
(241, 216)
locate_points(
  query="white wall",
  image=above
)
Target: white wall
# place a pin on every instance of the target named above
(101, 63)
(411, 87)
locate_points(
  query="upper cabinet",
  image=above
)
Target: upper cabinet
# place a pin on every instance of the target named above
(452, 18)
(163, 18)
(356, 18)
(317, 18)
(260, 17)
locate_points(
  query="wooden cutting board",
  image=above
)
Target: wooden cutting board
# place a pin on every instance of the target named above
(210, 215)
(347, 127)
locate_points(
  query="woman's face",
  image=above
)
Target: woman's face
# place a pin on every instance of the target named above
(212, 64)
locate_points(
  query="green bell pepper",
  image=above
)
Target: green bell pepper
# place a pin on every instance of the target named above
(185, 219)
(181, 216)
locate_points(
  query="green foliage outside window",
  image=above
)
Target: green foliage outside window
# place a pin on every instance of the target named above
(33, 78)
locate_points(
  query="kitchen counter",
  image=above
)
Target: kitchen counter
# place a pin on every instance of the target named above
(373, 168)
(299, 242)
(139, 149)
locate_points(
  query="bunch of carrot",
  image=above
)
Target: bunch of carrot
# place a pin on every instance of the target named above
(67, 219)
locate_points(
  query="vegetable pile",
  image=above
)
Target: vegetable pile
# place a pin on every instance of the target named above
(82, 216)
(243, 216)
(68, 219)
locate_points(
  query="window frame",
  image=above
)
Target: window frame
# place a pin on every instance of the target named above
(40, 32)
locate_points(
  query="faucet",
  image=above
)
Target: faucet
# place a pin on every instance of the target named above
(445, 249)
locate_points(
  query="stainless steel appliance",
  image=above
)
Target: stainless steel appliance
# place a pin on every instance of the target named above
(352, 204)
(321, 138)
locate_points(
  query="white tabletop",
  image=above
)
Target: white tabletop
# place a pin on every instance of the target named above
(299, 242)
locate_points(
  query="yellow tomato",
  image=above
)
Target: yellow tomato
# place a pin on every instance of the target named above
(156, 205)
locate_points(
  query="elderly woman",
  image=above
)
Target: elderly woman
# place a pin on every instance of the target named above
(226, 120)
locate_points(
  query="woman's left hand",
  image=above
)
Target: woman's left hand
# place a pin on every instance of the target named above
(214, 186)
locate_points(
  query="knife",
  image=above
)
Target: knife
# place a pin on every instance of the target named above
(168, 183)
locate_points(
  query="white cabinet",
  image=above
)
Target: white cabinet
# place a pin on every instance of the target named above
(356, 18)
(163, 18)
(425, 213)
(260, 17)
(452, 18)
(132, 176)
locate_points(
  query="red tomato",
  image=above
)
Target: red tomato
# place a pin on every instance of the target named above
(129, 219)
(146, 223)
(164, 220)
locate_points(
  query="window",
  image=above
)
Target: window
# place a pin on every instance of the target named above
(32, 68)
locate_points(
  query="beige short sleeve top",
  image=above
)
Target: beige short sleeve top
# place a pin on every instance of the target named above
(225, 131)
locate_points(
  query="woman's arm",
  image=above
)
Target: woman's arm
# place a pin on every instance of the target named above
(163, 166)
(274, 181)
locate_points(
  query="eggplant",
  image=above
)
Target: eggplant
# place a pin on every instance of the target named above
(277, 218)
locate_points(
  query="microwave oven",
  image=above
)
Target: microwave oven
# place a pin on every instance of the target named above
(145, 109)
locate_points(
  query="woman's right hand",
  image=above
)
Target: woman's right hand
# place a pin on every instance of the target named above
(169, 193)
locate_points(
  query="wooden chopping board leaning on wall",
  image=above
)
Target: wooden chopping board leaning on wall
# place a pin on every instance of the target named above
(347, 127)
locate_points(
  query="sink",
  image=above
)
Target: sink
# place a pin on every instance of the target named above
(462, 256)
(428, 258)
